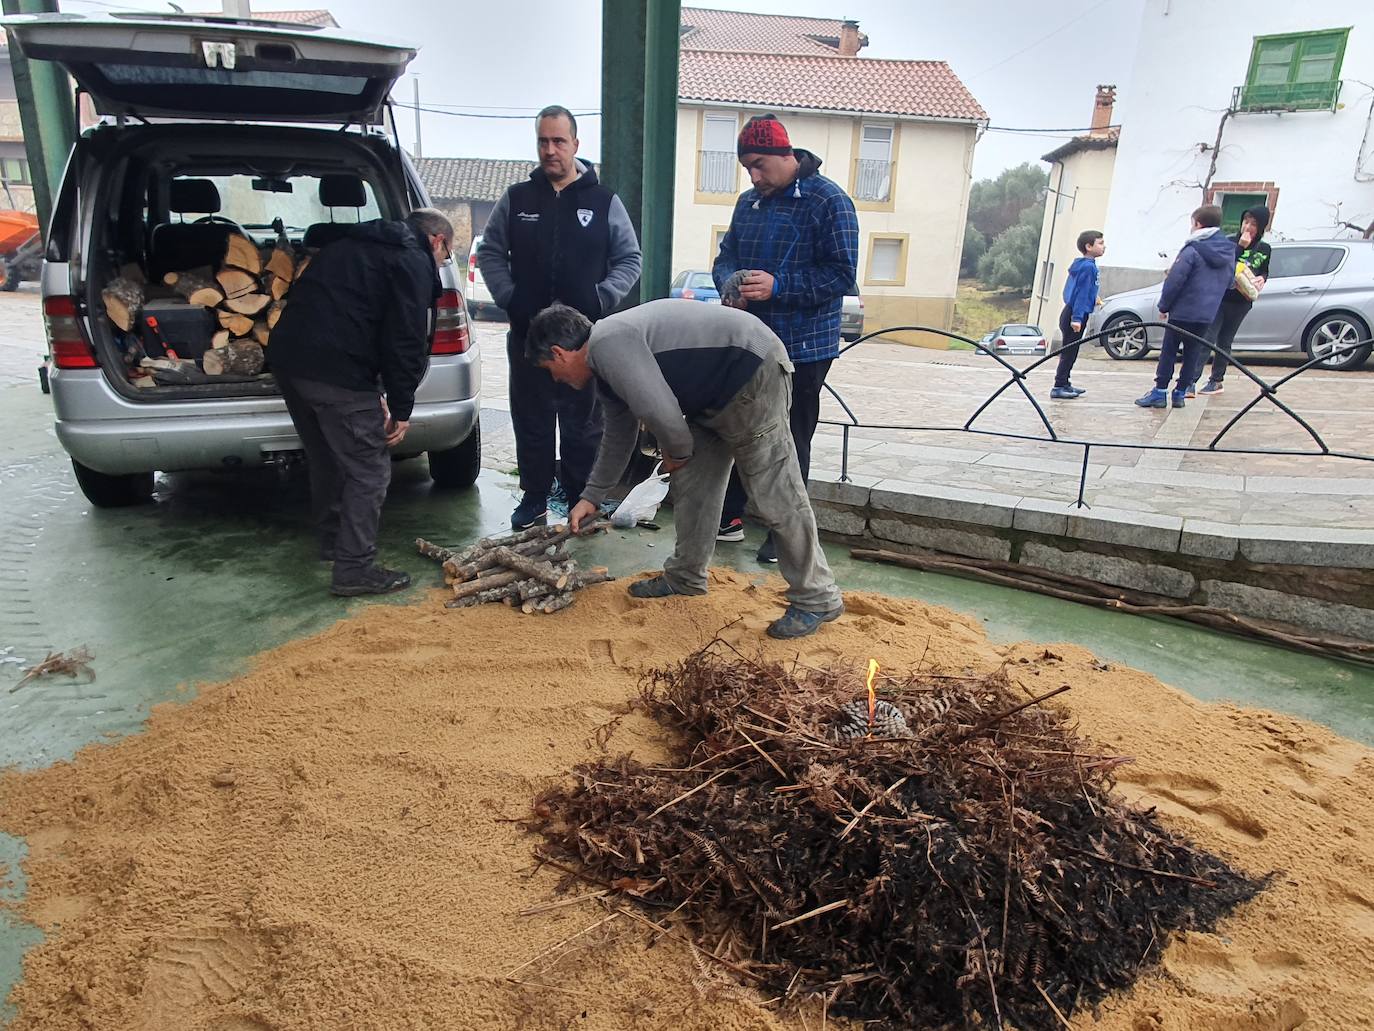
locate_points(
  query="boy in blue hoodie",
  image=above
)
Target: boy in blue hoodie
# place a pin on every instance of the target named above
(1199, 276)
(1080, 298)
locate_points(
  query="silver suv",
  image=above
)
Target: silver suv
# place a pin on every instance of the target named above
(1319, 297)
(211, 126)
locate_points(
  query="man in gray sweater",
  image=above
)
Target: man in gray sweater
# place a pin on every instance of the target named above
(714, 385)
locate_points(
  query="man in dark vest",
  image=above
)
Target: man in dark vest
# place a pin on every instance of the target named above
(559, 236)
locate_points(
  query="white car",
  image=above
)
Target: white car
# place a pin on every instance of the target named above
(480, 302)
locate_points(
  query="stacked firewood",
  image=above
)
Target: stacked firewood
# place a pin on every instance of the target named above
(247, 293)
(530, 570)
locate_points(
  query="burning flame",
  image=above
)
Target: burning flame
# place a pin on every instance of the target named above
(872, 695)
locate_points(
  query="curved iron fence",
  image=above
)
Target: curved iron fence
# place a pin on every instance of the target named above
(1017, 379)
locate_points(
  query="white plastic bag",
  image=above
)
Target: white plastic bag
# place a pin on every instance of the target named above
(643, 500)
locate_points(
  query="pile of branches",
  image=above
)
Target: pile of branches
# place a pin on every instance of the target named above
(530, 570)
(947, 854)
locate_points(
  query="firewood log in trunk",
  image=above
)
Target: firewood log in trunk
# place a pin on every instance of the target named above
(274, 313)
(261, 333)
(243, 253)
(123, 299)
(196, 287)
(238, 325)
(247, 304)
(282, 264)
(301, 266)
(278, 287)
(236, 358)
(221, 338)
(236, 283)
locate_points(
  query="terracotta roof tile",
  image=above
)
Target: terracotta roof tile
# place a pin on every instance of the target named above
(471, 178)
(928, 89)
(1088, 141)
(705, 29)
(319, 16)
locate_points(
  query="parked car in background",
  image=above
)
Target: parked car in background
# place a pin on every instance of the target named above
(481, 305)
(185, 155)
(1319, 296)
(695, 286)
(1016, 338)
(852, 318)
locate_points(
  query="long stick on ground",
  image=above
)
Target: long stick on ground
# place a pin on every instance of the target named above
(558, 945)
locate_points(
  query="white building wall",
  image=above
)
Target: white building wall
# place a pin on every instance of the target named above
(1192, 54)
(1082, 183)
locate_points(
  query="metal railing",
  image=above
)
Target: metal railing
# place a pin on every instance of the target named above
(1288, 96)
(1016, 378)
(717, 171)
(872, 179)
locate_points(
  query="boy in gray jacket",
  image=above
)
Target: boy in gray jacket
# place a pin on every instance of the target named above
(713, 384)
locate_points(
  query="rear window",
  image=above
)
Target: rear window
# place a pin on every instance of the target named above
(164, 75)
(1020, 331)
(701, 281)
(1304, 261)
(298, 210)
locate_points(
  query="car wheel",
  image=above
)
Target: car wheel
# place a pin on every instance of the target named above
(12, 279)
(106, 491)
(1126, 339)
(1334, 331)
(458, 466)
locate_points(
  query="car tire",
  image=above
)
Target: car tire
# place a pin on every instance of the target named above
(104, 490)
(11, 281)
(1335, 329)
(457, 467)
(1125, 339)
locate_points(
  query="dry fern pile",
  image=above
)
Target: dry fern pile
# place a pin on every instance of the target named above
(946, 854)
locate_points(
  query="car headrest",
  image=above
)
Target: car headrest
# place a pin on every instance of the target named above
(342, 191)
(193, 195)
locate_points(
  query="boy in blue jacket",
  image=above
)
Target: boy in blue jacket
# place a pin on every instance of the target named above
(1199, 276)
(1080, 298)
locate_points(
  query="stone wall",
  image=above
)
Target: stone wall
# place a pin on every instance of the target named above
(1318, 580)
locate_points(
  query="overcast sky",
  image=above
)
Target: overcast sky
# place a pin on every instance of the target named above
(1031, 66)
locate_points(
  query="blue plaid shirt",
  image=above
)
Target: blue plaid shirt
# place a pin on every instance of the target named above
(807, 238)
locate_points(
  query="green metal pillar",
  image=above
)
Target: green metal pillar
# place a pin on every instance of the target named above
(639, 65)
(46, 113)
(622, 108)
(660, 143)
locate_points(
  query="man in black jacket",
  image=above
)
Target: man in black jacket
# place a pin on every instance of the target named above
(348, 353)
(559, 236)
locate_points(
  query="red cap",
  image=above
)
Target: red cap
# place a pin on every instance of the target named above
(763, 134)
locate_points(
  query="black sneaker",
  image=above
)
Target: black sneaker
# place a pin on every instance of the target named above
(731, 530)
(373, 580)
(533, 510)
(768, 552)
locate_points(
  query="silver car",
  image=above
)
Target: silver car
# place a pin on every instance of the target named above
(210, 127)
(1319, 296)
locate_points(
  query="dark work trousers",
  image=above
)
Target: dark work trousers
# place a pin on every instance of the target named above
(1223, 333)
(1067, 355)
(1168, 354)
(807, 381)
(538, 404)
(344, 435)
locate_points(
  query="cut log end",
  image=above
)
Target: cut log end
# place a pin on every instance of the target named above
(242, 253)
(236, 358)
(247, 304)
(123, 299)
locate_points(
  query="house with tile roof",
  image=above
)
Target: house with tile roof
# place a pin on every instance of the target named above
(898, 135)
(467, 189)
(1080, 184)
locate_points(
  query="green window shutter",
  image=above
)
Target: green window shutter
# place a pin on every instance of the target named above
(1299, 71)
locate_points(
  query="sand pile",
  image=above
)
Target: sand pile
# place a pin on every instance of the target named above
(327, 841)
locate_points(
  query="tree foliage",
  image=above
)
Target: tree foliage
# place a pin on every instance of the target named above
(1010, 261)
(1003, 232)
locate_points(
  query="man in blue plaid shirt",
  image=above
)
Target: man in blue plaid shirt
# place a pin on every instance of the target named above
(790, 257)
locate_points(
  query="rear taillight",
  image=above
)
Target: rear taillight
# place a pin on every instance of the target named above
(689, 295)
(450, 325)
(66, 343)
(472, 268)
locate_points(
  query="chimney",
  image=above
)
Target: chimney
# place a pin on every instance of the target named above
(1102, 110)
(849, 38)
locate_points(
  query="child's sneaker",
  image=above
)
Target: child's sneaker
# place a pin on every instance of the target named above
(1063, 393)
(731, 530)
(1212, 386)
(1154, 399)
(1178, 398)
